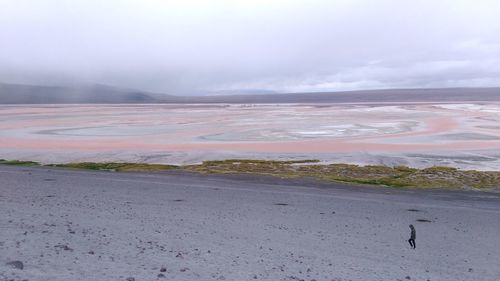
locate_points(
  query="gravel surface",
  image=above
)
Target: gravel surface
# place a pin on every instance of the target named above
(58, 224)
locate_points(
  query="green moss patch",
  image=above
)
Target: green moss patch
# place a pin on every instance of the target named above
(18, 163)
(117, 166)
(399, 176)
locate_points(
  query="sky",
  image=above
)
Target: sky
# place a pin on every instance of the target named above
(197, 47)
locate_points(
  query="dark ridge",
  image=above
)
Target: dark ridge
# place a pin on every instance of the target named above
(95, 94)
(367, 96)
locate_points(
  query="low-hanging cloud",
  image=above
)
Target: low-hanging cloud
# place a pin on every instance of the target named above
(186, 47)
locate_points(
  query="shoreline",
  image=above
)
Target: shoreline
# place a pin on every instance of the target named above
(436, 177)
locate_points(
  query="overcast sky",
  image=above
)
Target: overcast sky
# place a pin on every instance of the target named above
(186, 47)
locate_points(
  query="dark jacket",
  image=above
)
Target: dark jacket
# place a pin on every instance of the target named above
(413, 233)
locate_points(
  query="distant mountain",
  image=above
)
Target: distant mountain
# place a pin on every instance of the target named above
(366, 96)
(248, 92)
(30, 94)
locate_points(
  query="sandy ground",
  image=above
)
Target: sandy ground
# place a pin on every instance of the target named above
(460, 135)
(81, 225)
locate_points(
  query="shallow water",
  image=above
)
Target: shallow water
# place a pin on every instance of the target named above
(191, 133)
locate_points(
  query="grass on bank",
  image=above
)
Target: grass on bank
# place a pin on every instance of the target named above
(18, 163)
(399, 176)
(117, 166)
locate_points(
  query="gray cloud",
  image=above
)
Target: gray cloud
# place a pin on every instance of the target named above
(185, 47)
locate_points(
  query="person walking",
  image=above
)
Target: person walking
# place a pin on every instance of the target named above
(412, 236)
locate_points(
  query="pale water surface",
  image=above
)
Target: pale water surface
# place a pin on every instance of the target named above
(461, 135)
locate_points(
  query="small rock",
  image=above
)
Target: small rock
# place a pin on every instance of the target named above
(163, 269)
(64, 247)
(16, 264)
(161, 275)
(130, 279)
(184, 269)
(408, 277)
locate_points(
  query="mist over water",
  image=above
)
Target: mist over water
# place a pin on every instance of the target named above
(204, 47)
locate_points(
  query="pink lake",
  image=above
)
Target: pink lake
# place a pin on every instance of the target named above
(462, 135)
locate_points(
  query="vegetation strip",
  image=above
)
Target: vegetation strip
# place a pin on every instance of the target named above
(399, 176)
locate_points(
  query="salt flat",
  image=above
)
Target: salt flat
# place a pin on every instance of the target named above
(82, 225)
(464, 135)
